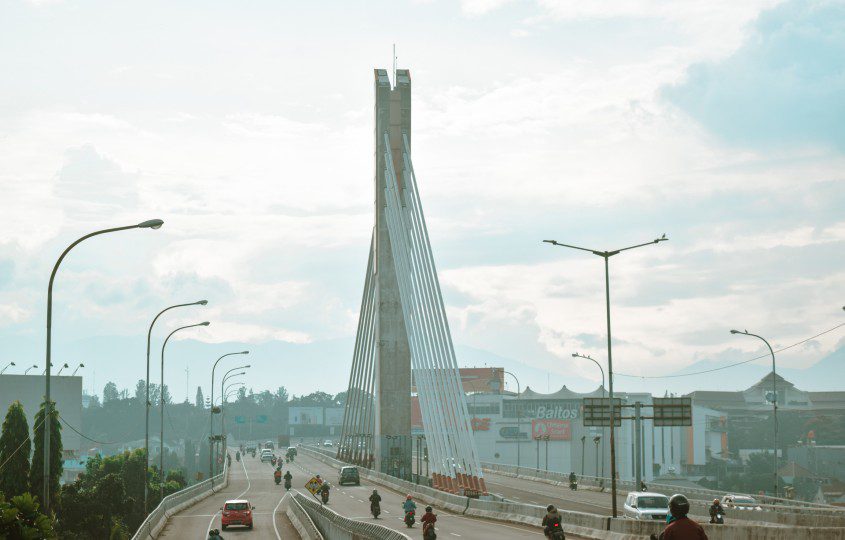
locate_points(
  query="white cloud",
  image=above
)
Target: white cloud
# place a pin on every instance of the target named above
(481, 7)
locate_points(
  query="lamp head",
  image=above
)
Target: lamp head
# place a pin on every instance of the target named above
(12, 364)
(151, 224)
(575, 355)
(81, 365)
(65, 365)
(206, 323)
(241, 373)
(550, 241)
(735, 332)
(35, 365)
(248, 365)
(244, 352)
(202, 303)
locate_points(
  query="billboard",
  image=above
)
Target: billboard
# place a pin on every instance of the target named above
(557, 430)
(305, 416)
(549, 409)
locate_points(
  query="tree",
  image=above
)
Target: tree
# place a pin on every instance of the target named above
(36, 472)
(242, 393)
(200, 401)
(110, 392)
(140, 391)
(15, 448)
(282, 394)
(20, 518)
(165, 394)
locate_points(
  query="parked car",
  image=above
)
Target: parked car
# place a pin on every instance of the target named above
(237, 512)
(740, 502)
(645, 505)
(349, 475)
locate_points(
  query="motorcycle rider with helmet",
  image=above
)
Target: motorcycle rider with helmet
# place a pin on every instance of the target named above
(428, 520)
(552, 524)
(680, 526)
(717, 512)
(375, 504)
(410, 508)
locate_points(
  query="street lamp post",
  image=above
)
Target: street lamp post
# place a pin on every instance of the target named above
(61, 368)
(606, 255)
(211, 416)
(223, 394)
(147, 403)
(7, 367)
(518, 419)
(774, 402)
(33, 366)
(77, 369)
(149, 224)
(583, 443)
(161, 402)
(224, 398)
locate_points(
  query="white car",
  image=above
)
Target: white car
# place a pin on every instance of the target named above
(266, 455)
(646, 506)
(327, 443)
(740, 502)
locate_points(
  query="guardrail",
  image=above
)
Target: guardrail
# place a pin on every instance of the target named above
(176, 502)
(333, 525)
(300, 519)
(582, 523)
(626, 485)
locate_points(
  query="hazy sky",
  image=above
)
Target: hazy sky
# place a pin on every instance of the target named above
(247, 127)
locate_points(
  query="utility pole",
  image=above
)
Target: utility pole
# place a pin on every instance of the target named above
(638, 431)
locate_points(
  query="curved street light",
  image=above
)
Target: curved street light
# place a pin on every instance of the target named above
(774, 401)
(223, 393)
(77, 369)
(161, 399)
(33, 366)
(61, 368)
(211, 417)
(149, 224)
(147, 403)
(606, 255)
(6, 367)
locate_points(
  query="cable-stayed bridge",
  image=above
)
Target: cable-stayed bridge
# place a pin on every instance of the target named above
(403, 332)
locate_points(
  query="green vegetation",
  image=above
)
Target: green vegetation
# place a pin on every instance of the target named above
(15, 448)
(21, 520)
(36, 471)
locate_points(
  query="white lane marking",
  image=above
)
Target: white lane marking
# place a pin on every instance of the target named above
(248, 485)
(454, 534)
(275, 528)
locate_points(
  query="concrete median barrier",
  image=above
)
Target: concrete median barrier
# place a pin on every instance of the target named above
(336, 527)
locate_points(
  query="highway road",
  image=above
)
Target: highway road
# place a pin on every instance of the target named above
(352, 501)
(249, 479)
(527, 491)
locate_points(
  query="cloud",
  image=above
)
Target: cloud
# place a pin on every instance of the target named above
(482, 7)
(783, 88)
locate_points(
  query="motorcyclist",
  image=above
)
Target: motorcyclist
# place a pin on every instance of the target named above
(552, 522)
(408, 507)
(214, 534)
(428, 520)
(717, 512)
(288, 478)
(680, 526)
(238, 455)
(643, 487)
(324, 491)
(573, 481)
(277, 475)
(375, 503)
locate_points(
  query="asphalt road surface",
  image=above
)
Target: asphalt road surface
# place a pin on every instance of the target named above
(352, 502)
(249, 479)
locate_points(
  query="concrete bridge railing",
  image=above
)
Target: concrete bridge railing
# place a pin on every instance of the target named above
(176, 502)
(581, 523)
(333, 525)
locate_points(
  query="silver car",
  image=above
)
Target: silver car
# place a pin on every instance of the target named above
(646, 506)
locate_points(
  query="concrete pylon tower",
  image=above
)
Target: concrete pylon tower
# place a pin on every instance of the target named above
(392, 354)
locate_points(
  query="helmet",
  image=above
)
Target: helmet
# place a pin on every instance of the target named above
(678, 505)
(550, 508)
(428, 509)
(715, 501)
(318, 476)
(375, 491)
(408, 498)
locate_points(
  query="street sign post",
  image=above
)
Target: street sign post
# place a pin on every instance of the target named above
(597, 412)
(313, 485)
(673, 411)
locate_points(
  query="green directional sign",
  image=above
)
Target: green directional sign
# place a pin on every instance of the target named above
(261, 419)
(240, 420)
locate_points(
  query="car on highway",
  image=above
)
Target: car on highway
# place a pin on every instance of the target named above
(266, 455)
(270, 445)
(237, 512)
(646, 506)
(741, 502)
(349, 475)
(327, 443)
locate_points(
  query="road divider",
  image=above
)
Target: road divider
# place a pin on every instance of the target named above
(300, 519)
(332, 525)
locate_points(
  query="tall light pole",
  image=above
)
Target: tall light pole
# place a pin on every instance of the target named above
(211, 417)
(77, 369)
(518, 419)
(33, 366)
(593, 360)
(223, 397)
(223, 393)
(161, 400)
(774, 402)
(147, 403)
(606, 255)
(7, 367)
(48, 406)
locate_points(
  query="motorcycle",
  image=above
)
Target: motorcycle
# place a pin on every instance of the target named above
(237, 456)
(409, 518)
(277, 478)
(324, 495)
(718, 519)
(573, 485)
(430, 533)
(375, 510)
(287, 485)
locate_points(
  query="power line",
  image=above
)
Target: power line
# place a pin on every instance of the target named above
(82, 434)
(730, 365)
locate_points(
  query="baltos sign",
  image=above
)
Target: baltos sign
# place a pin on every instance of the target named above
(548, 409)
